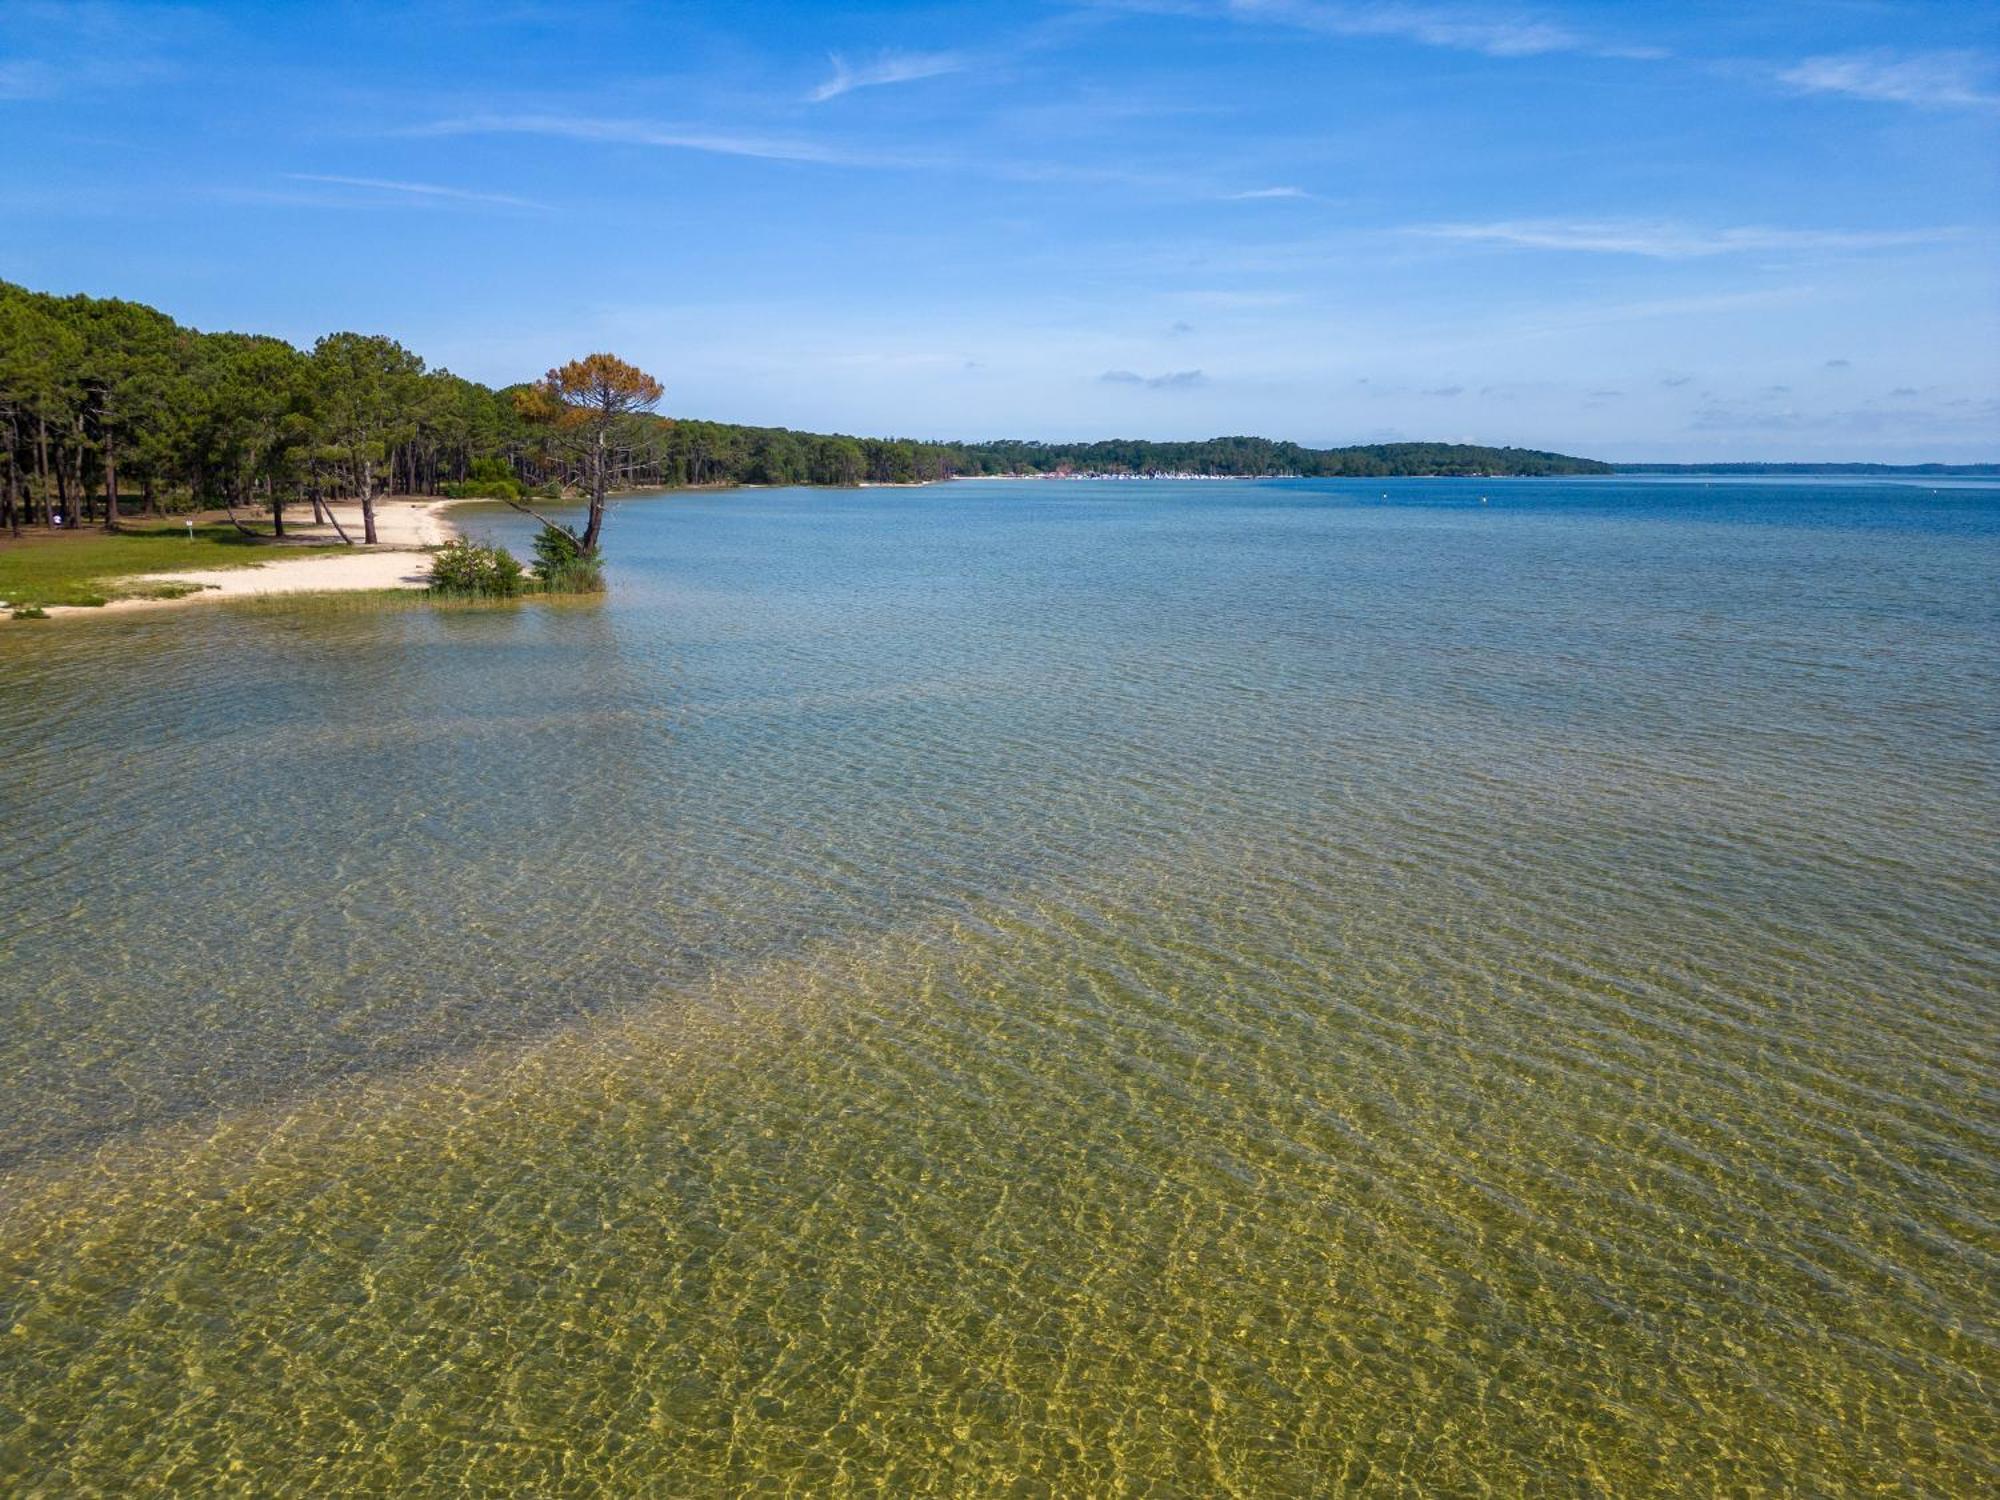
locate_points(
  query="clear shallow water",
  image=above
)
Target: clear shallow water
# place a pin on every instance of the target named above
(1149, 989)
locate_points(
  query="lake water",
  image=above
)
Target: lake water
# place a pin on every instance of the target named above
(1028, 988)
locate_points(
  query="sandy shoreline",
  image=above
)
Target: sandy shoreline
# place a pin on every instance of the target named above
(405, 525)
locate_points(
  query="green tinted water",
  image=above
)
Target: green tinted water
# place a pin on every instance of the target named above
(1043, 989)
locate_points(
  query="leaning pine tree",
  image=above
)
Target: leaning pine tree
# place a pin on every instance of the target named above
(586, 401)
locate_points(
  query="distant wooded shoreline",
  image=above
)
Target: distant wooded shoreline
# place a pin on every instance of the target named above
(101, 397)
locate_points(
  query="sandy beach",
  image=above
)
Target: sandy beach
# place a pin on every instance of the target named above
(404, 524)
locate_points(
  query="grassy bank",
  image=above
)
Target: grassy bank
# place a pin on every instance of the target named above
(91, 568)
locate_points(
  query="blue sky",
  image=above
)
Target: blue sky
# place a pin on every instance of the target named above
(1675, 231)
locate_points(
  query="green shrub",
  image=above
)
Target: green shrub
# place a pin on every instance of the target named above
(31, 612)
(487, 479)
(562, 566)
(554, 547)
(466, 567)
(484, 489)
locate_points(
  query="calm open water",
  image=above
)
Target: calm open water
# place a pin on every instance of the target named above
(1040, 989)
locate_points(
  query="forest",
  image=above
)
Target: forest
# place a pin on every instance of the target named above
(102, 397)
(1254, 456)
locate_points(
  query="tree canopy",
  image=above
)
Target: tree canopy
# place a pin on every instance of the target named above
(591, 400)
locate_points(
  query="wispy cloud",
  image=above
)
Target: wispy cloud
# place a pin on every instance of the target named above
(422, 190)
(890, 67)
(1665, 241)
(1593, 316)
(1457, 27)
(1174, 380)
(671, 137)
(1496, 36)
(725, 142)
(1258, 194)
(64, 47)
(1937, 80)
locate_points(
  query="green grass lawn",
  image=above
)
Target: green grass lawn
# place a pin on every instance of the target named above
(86, 568)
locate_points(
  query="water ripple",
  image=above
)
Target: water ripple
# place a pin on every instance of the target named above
(998, 990)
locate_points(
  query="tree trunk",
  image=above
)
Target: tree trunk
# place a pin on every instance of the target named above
(368, 501)
(232, 491)
(14, 487)
(79, 480)
(42, 468)
(323, 511)
(597, 479)
(110, 479)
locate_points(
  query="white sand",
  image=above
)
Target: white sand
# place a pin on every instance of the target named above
(403, 525)
(400, 521)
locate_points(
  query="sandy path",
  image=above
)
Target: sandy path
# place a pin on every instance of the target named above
(404, 525)
(399, 522)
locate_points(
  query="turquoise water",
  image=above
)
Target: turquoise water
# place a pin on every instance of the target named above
(1028, 988)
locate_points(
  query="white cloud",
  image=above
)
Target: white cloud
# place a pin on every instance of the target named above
(1960, 80)
(890, 67)
(418, 190)
(1666, 241)
(1255, 194)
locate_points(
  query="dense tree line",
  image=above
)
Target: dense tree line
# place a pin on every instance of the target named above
(101, 397)
(1263, 456)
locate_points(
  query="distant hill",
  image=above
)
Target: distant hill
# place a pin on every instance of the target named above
(1261, 457)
